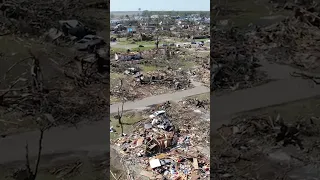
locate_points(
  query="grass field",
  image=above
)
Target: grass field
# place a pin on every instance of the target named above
(128, 120)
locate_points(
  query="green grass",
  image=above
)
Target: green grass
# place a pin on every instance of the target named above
(124, 42)
(146, 68)
(201, 97)
(197, 40)
(137, 43)
(187, 64)
(122, 50)
(114, 75)
(146, 42)
(142, 48)
(128, 120)
(113, 50)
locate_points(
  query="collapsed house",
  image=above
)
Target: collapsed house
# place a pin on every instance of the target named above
(164, 152)
(73, 29)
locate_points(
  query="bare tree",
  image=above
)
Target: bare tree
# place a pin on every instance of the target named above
(28, 173)
(120, 117)
(157, 40)
(37, 77)
(120, 113)
(33, 174)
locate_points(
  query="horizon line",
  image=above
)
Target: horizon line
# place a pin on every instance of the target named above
(158, 10)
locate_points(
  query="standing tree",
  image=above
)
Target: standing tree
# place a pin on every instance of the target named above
(145, 13)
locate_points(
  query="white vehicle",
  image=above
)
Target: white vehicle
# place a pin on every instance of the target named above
(88, 42)
(157, 113)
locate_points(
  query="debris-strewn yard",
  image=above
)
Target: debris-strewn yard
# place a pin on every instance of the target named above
(54, 68)
(46, 74)
(293, 41)
(151, 58)
(158, 75)
(233, 63)
(240, 51)
(279, 142)
(171, 140)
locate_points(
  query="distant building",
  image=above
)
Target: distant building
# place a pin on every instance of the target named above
(115, 22)
(154, 16)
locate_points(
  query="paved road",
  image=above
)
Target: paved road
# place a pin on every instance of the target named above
(274, 93)
(93, 137)
(285, 89)
(144, 103)
(96, 136)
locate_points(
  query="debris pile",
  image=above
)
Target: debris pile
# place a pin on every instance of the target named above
(33, 99)
(141, 85)
(290, 42)
(122, 66)
(172, 79)
(34, 17)
(248, 142)
(78, 81)
(195, 102)
(233, 62)
(295, 40)
(202, 74)
(162, 150)
(146, 37)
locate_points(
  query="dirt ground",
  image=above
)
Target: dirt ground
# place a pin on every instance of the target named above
(65, 98)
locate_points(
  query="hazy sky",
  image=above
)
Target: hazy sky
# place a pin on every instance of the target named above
(160, 5)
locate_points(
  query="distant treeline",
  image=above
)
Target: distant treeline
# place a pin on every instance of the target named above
(175, 13)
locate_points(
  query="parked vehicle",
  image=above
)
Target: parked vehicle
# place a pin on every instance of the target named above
(89, 43)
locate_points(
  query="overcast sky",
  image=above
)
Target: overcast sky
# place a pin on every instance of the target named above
(160, 5)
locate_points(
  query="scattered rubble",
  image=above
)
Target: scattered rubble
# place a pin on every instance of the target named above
(78, 76)
(293, 41)
(146, 37)
(34, 17)
(249, 143)
(233, 63)
(164, 147)
(290, 42)
(139, 84)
